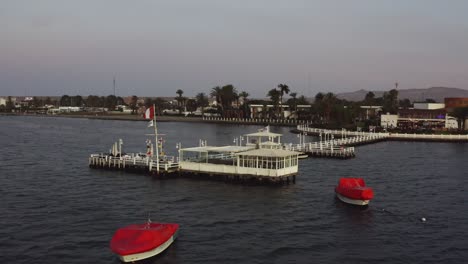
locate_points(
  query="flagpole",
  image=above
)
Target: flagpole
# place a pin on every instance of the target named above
(156, 137)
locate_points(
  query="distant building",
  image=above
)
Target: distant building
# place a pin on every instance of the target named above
(263, 111)
(413, 119)
(451, 103)
(369, 111)
(428, 106)
(389, 121)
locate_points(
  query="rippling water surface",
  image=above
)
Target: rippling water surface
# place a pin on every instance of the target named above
(54, 209)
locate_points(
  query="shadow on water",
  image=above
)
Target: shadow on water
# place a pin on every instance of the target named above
(357, 214)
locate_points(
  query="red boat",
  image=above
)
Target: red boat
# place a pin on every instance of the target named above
(141, 241)
(354, 191)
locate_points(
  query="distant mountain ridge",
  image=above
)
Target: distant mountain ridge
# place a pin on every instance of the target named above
(436, 93)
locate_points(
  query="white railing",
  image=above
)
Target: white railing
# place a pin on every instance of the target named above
(166, 162)
(372, 135)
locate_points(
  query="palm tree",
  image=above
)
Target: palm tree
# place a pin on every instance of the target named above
(228, 95)
(369, 99)
(202, 101)
(294, 95)
(329, 101)
(275, 98)
(461, 113)
(244, 96)
(245, 107)
(134, 103)
(283, 89)
(180, 92)
(179, 99)
(216, 93)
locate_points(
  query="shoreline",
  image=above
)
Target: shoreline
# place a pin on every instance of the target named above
(164, 118)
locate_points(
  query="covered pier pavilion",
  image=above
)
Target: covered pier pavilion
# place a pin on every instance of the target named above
(240, 163)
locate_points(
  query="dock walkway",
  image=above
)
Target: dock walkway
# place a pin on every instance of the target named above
(133, 162)
(371, 137)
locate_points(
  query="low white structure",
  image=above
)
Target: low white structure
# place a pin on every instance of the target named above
(451, 122)
(239, 160)
(429, 106)
(264, 139)
(388, 121)
(391, 121)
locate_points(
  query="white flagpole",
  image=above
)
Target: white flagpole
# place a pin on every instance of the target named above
(156, 137)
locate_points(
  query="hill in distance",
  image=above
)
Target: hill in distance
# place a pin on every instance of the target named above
(436, 93)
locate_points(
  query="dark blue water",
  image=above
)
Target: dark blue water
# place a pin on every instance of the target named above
(54, 209)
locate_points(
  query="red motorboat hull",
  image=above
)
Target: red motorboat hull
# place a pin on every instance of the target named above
(354, 191)
(140, 241)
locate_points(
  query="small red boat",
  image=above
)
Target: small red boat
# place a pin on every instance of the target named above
(354, 191)
(141, 241)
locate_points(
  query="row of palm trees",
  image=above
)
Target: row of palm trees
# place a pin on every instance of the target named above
(226, 96)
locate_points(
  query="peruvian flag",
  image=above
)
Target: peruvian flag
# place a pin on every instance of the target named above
(149, 114)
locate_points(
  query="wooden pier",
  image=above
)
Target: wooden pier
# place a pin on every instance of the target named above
(343, 145)
(134, 162)
(354, 138)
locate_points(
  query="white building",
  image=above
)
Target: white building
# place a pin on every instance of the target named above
(388, 121)
(392, 121)
(262, 156)
(428, 106)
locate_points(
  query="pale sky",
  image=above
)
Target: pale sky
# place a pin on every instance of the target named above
(154, 47)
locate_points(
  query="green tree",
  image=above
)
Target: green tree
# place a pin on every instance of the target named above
(390, 102)
(275, 95)
(134, 104)
(245, 106)
(216, 93)
(405, 103)
(76, 101)
(228, 95)
(180, 100)
(9, 106)
(244, 95)
(148, 102)
(283, 89)
(201, 99)
(329, 102)
(93, 101)
(48, 101)
(191, 105)
(160, 104)
(111, 102)
(369, 99)
(65, 100)
(293, 102)
(461, 113)
(36, 102)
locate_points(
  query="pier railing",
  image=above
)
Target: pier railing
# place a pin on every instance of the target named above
(133, 160)
(370, 136)
(271, 121)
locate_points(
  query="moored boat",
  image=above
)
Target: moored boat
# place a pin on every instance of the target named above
(141, 241)
(354, 191)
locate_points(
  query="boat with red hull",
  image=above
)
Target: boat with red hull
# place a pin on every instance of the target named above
(354, 191)
(141, 241)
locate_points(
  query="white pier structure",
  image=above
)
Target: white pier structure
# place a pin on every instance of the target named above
(245, 163)
(263, 158)
(352, 138)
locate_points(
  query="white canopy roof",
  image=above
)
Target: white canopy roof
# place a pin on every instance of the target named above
(268, 153)
(263, 134)
(222, 149)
